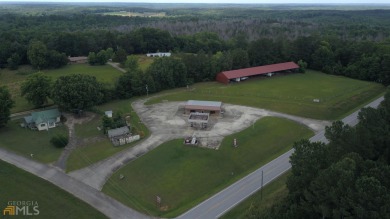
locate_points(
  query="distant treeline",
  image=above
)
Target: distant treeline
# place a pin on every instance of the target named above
(255, 23)
(365, 60)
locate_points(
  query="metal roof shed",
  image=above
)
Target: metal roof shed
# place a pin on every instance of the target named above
(203, 106)
(226, 76)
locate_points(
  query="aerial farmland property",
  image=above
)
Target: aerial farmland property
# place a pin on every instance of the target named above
(194, 110)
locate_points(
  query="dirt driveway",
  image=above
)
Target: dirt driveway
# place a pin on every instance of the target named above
(166, 122)
(169, 119)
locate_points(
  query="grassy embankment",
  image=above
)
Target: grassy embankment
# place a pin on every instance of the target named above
(272, 193)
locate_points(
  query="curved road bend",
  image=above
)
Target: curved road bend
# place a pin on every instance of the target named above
(105, 204)
(226, 199)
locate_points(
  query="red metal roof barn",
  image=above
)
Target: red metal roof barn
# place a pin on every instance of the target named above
(226, 76)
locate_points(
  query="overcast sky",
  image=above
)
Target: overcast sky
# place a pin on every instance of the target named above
(224, 1)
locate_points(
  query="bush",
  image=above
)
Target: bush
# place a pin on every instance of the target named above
(59, 141)
(63, 119)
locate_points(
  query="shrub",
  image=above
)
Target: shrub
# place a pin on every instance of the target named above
(59, 141)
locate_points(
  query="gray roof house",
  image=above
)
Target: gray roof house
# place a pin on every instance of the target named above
(43, 120)
(121, 136)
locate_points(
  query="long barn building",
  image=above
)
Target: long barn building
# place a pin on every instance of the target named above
(235, 75)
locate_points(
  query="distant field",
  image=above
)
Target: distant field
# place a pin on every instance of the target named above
(272, 193)
(292, 94)
(105, 73)
(144, 61)
(26, 142)
(13, 79)
(184, 176)
(19, 185)
(136, 14)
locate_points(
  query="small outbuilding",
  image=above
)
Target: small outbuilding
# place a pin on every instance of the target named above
(201, 106)
(78, 59)
(108, 113)
(121, 136)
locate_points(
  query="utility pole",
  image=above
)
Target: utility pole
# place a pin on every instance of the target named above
(262, 176)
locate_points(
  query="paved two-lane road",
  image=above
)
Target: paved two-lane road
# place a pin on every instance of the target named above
(223, 201)
(105, 204)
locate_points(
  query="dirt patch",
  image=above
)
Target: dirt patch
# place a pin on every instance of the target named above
(169, 119)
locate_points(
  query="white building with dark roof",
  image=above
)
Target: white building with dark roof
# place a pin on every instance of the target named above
(159, 54)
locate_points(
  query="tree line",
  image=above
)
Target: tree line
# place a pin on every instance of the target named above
(347, 178)
(361, 60)
(364, 60)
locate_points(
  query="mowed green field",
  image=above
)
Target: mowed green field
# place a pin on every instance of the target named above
(183, 175)
(53, 202)
(26, 142)
(292, 94)
(13, 79)
(261, 200)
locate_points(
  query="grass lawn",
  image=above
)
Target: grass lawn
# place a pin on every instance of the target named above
(91, 153)
(94, 152)
(53, 202)
(272, 193)
(26, 142)
(183, 176)
(89, 129)
(292, 94)
(13, 79)
(124, 107)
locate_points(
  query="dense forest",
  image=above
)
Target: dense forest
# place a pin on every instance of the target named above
(353, 43)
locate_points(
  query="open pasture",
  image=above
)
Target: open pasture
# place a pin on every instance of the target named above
(291, 94)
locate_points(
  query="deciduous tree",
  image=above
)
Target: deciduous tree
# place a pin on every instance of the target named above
(6, 103)
(77, 91)
(36, 54)
(36, 89)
